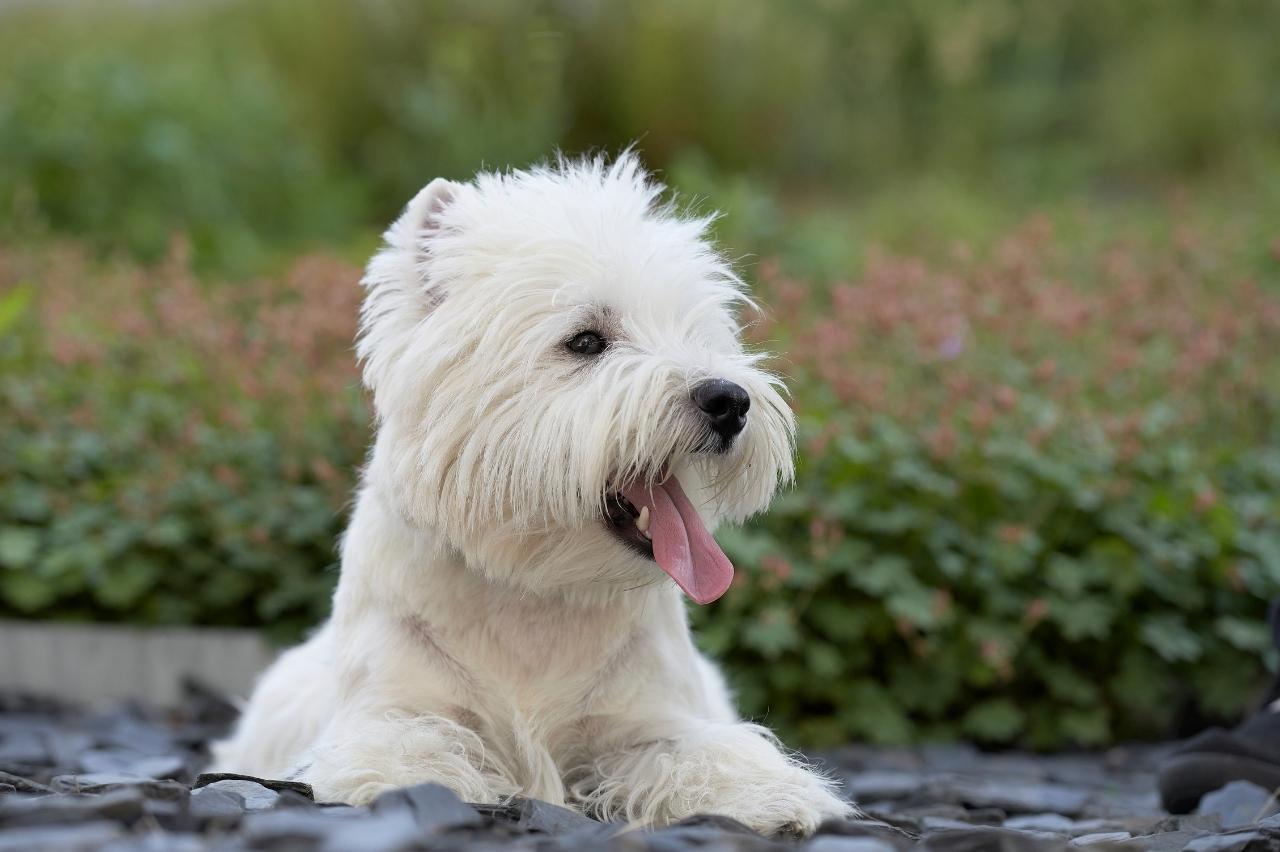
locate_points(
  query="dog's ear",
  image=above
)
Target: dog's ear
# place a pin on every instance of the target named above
(421, 216)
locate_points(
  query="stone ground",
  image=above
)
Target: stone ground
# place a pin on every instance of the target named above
(124, 780)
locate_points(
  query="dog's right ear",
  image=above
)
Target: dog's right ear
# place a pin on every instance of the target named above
(421, 216)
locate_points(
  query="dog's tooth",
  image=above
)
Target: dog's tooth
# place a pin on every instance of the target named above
(642, 522)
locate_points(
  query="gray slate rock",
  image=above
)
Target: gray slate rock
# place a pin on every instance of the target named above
(1237, 841)
(868, 786)
(1029, 798)
(831, 843)
(1238, 804)
(866, 828)
(208, 803)
(433, 806)
(206, 778)
(255, 796)
(30, 750)
(118, 760)
(1055, 823)
(390, 830)
(60, 838)
(1100, 838)
(102, 782)
(989, 839)
(23, 785)
(538, 816)
(125, 807)
(158, 841)
(289, 828)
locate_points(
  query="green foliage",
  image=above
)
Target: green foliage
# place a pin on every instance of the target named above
(154, 469)
(1096, 627)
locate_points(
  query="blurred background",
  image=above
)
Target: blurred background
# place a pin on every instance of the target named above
(1023, 260)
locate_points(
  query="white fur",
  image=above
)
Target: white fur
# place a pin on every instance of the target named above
(487, 631)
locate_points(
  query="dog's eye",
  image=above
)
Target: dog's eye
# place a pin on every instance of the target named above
(586, 343)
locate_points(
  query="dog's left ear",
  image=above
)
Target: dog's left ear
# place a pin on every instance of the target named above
(421, 216)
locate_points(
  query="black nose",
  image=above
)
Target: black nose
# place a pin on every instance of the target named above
(725, 405)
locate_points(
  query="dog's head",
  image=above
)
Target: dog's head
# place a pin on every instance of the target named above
(560, 386)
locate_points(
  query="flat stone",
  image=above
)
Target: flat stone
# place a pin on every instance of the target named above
(123, 727)
(118, 760)
(280, 828)
(158, 841)
(831, 843)
(124, 806)
(434, 807)
(865, 828)
(23, 785)
(1238, 841)
(279, 785)
(1170, 841)
(1100, 837)
(102, 782)
(60, 838)
(65, 747)
(26, 749)
(546, 818)
(290, 799)
(934, 823)
(209, 803)
(709, 830)
(256, 797)
(715, 822)
(984, 838)
(950, 757)
(865, 786)
(1024, 798)
(393, 829)
(1238, 804)
(1042, 822)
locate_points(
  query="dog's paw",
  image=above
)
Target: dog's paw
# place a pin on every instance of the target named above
(785, 809)
(733, 770)
(795, 802)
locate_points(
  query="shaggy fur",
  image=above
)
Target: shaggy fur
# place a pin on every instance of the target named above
(489, 632)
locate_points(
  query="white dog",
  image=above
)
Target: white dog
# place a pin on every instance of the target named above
(565, 412)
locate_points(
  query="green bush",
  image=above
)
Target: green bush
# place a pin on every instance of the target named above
(1038, 499)
(1039, 477)
(175, 454)
(1038, 502)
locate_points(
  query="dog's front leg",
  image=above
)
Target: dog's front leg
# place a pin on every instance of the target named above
(696, 766)
(361, 755)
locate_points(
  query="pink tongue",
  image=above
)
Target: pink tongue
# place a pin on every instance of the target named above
(681, 543)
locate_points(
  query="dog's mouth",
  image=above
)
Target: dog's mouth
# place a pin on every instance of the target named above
(660, 522)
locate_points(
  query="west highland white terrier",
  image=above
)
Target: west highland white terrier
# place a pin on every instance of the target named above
(564, 413)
